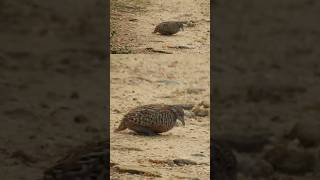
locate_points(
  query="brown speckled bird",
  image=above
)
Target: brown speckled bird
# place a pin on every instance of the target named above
(169, 27)
(224, 163)
(84, 163)
(152, 119)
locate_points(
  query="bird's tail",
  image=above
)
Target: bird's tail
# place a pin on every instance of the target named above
(121, 127)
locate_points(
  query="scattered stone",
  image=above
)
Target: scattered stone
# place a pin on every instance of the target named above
(189, 114)
(126, 148)
(198, 155)
(205, 104)
(200, 111)
(137, 170)
(289, 160)
(180, 47)
(113, 164)
(195, 90)
(158, 51)
(169, 82)
(170, 163)
(190, 24)
(307, 132)
(80, 119)
(182, 162)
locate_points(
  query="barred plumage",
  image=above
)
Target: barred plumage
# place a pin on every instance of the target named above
(169, 27)
(152, 119)
(224, 163)
(83, 163)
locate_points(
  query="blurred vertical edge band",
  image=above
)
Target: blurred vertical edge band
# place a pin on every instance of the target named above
(212, 61)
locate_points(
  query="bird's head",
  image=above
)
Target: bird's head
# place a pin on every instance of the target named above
(181, 26)
(178, 111)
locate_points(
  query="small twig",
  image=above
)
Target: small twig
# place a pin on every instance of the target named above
(141, 78)
(158, 51)
(156, 41)
(180, 47)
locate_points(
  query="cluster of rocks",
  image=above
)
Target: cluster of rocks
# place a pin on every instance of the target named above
(199, 110)
(261, 155)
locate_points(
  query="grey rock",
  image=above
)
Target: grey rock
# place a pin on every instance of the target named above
(195, 90)
(137, 170)
(189, 114)
(169, 82)
(182, 162)
(200, 111)
(198, 155)
(205, 104)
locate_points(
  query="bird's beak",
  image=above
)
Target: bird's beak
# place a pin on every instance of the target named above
(182, 120)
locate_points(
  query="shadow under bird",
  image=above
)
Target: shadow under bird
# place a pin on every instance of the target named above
(152, 119)
(224, 162)
(169, 27)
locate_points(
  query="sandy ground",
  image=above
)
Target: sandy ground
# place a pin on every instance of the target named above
(141, 78)
(132, 25)
(144, 79)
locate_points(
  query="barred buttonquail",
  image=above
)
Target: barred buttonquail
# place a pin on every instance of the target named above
(84, 163)
(169, 27)
(152, 119)
(224, 163)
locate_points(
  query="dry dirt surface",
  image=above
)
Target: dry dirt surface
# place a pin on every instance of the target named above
(144, 79)
(132, 24)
